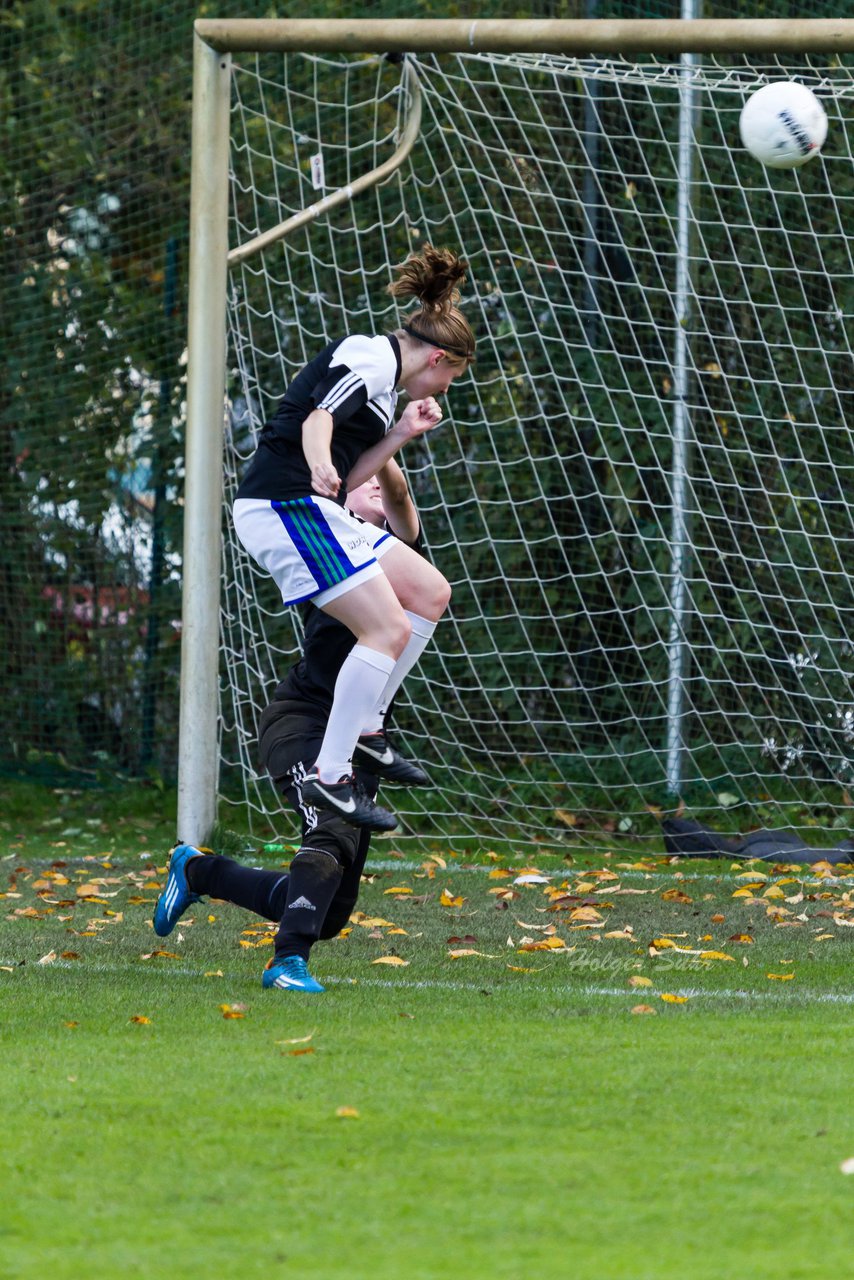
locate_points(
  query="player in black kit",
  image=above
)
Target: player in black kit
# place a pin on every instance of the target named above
(315, 899)
(333, 429)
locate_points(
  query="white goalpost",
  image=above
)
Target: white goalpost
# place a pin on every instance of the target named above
(641, 492)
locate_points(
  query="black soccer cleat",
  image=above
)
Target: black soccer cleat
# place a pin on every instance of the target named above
(375, 753)
(346, 798)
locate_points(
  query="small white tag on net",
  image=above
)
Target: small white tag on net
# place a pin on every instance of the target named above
(317, 180)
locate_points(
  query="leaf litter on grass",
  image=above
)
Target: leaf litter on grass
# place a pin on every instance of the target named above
(592, 921)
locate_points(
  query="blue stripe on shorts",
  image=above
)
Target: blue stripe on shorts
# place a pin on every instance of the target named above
(310, 533)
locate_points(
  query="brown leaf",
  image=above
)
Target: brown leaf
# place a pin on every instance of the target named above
(643, 1008)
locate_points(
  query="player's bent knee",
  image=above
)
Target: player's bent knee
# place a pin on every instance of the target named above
(334, 837)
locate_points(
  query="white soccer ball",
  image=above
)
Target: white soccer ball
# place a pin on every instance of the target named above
(783, 124)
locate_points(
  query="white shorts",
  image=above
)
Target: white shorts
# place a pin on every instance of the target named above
(311, 547)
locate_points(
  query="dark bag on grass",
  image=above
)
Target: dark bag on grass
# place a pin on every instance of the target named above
(689, 839)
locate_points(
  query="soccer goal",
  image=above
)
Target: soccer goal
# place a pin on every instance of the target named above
(641, 493)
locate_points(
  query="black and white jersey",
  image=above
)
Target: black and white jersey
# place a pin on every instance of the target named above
(355, 380)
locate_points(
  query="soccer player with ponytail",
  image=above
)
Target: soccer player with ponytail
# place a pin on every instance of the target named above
(333, 428)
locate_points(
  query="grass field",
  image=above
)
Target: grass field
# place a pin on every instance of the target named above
(617, 1068)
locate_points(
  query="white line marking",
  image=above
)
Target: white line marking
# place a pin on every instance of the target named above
(804, 995)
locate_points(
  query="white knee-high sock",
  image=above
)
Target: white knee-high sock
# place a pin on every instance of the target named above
(361, 680)
(422, 630)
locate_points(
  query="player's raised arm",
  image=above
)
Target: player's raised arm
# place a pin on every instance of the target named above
(400, 512)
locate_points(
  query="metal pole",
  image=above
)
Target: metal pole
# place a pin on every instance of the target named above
(679, 547)
(197, 760)
(531, 35)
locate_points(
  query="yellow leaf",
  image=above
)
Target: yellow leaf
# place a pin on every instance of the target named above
(568, 819)
(463, 951)
(347, 1113)
(774, 892)
(585, 913)
(499, 873)
(741, 937)
(661, 944)
(141, 1019)
(780, 977)
(395, 960)
(637, 981)
(447, 899)
(714, 955)
(169, 955)
(670, 998)
(397, 889)
(546, 944)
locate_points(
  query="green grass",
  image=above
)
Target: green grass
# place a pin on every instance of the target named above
(515, 1117)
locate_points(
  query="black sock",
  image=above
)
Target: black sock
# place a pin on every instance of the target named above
(312, 884)
(264, 892)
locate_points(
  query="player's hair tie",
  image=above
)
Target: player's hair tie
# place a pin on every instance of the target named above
(434, 342)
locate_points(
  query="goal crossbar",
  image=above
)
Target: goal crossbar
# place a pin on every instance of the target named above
(529, 35)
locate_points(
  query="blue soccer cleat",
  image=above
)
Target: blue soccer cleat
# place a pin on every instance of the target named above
(177, 895)
(290, 974)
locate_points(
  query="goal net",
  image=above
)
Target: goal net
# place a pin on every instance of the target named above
(641, 494)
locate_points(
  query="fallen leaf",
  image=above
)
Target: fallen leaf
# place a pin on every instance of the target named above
(48, 958)
(297, 1040)
(347, 1113)
(714, 955)
(141, 1020)
(168, 955)
(447, 899)
(585, 913)
(399, 889)
(780, 977)
(637, 981)
(847, 1166)
(292, 1053)
(395, 960)
(741, 937)
(676, 895)
(89, 890)
(669, 998)
(643, 1008)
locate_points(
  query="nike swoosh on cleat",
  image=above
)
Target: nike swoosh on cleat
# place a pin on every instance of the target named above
(387, 756)
(349, 807)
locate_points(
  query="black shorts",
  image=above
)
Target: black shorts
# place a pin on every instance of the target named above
(290, 739)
